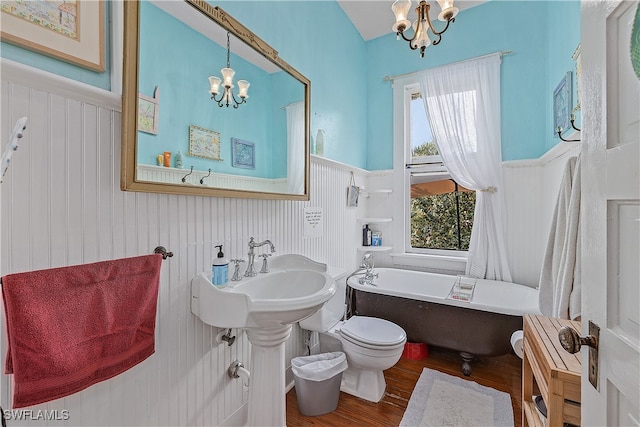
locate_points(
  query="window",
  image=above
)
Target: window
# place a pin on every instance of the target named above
(439, 211)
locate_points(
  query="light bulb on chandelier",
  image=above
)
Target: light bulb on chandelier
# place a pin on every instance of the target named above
(422, 25)
(227, 97)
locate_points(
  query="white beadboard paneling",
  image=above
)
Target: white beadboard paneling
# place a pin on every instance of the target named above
(531, 191)
(61, 205)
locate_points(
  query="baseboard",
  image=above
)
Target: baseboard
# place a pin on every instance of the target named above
(238, 418)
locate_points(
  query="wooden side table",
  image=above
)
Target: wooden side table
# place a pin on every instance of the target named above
(554, 371)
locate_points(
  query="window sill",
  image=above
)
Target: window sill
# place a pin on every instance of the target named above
(440, 262)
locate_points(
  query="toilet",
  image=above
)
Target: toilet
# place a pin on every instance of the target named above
(370, 344)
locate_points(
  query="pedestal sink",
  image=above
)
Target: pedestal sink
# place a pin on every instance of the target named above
(266, 306)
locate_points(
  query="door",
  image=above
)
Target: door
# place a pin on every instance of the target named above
(611, 212)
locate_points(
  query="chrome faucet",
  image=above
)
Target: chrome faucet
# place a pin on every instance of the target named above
(251, 271)
(236, 271)
(366, 270)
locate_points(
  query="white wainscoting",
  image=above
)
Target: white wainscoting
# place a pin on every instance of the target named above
(531, 189)
(61, 205)
(193, 177)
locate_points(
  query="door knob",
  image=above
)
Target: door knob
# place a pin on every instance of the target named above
(571, 341)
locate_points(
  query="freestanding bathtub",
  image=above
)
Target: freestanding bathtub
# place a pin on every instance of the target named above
(420, 303)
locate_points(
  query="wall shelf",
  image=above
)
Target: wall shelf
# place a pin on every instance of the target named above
(376, 193)
(374, 248)
(374, 220)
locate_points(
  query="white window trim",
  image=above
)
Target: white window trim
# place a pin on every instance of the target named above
(403, 254)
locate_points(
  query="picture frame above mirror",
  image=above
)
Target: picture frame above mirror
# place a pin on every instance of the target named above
(188, 102)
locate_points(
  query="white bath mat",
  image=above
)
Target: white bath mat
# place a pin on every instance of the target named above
(444, 400)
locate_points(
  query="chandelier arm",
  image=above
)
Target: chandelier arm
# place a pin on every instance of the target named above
(438, 33)
(401, 33)
(235, 101)
(216, 99)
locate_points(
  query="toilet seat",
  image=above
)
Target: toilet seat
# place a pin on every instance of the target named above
(371, 332)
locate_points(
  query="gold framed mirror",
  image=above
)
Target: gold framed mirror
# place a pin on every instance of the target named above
(180, 137)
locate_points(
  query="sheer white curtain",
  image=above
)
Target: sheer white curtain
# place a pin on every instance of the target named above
(295, 147)
(463, 106)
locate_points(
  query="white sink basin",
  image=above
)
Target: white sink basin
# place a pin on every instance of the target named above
(294, 289)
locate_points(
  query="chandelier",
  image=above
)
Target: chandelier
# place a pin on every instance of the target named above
(227, 97)
(423, 24)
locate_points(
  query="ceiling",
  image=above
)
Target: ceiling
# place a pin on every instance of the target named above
(374, 18)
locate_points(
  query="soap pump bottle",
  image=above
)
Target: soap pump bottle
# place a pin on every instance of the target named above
(220, 269)
(179, 159)
(366, 236)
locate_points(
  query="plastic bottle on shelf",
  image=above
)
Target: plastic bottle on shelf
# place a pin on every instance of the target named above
(179, 159)
(366, 236)
(220, 269)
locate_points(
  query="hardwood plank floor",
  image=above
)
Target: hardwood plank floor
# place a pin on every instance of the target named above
(502, 373)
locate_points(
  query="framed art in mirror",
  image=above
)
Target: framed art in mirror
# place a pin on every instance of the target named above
(244, 154)
(148, 112)
(204, 143)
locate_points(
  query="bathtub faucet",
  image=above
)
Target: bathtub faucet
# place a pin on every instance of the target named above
(251, 271)
(366, 269)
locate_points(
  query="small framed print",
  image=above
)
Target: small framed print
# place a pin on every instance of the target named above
(562, 105)
(204, 143)
(148, 112)
(243, 154)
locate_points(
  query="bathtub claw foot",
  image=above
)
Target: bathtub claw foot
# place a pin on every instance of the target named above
(466, 362)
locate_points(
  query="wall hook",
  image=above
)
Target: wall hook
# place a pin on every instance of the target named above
(559, 132)
(572, 120)
(12, 146)
(184, 178)
(202, 179)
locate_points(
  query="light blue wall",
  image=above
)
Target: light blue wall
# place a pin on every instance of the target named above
(182, 76)
(563, 28)
(523, 27)
(55, 66)
(318, 39)
(349, 99)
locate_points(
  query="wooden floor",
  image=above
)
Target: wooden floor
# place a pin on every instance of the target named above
(502, 373)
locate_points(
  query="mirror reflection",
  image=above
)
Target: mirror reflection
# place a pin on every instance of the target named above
(214, 115)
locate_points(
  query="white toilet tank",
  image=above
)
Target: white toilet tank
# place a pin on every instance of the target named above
(333, 310)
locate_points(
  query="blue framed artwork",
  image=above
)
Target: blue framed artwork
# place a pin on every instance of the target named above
(562, 105)
(243, 154)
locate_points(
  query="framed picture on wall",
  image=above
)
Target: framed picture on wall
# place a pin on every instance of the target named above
(562, 105)
(204, 143)
(148, 112)
(243, 154)
(70, 30)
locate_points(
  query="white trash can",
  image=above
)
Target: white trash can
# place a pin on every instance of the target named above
(317, 379)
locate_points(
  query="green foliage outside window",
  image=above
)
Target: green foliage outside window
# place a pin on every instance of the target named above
(436, 221)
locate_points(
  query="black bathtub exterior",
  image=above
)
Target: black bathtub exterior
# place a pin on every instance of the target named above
(471, 332)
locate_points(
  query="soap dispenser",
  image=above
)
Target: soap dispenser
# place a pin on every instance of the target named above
(220, 269)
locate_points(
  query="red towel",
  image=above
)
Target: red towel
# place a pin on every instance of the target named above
(71, 327)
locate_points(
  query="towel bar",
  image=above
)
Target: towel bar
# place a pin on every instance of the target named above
(158, 250)
(163, 251)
